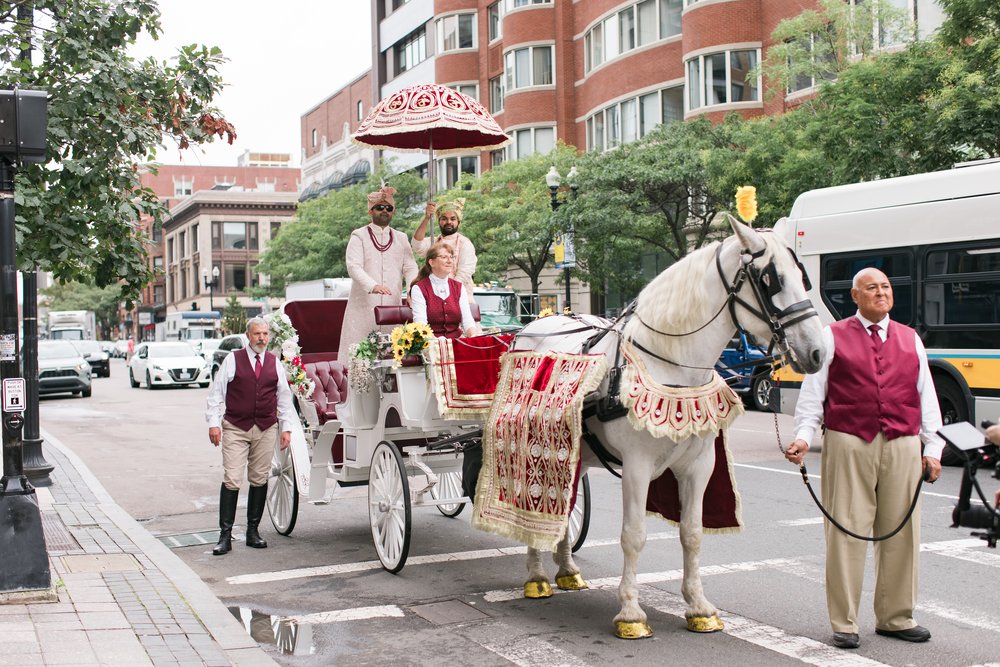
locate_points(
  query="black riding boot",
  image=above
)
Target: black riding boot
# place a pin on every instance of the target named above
(227, 515)
(255, 510)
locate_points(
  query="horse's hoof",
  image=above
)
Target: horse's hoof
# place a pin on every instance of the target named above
(705, 623)
(632, 630)
(537, 589)
(572, 582)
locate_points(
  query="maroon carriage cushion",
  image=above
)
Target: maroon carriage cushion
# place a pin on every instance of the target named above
(331, 387)
(317, 322)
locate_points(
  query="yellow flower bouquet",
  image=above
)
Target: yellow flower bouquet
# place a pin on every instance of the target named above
(409, 340)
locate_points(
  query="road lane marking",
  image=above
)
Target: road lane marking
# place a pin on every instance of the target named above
(814, 476)
(343, 615)
(349, 568)
(506, 594)
(528, 651)
(811, 521)
(776, 640)
(962, 616)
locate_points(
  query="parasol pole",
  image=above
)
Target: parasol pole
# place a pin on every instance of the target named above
(431, 179)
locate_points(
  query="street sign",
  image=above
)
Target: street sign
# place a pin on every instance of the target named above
(13, 395)
(8, 347)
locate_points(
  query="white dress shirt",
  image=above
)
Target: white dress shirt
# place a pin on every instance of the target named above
(809, 408)
(227, 371)
(441, 287)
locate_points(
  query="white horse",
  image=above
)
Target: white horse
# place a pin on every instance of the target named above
(681, 322)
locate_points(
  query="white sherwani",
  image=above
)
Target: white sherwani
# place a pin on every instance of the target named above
(465, 257)
(369, 267)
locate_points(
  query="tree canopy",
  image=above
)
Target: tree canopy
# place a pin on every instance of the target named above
(76, 215)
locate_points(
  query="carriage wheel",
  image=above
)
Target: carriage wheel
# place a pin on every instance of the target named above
(389, 506)
(579, 518)
(282, 494)
(449, 486)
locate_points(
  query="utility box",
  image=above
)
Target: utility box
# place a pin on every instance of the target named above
(23, 119)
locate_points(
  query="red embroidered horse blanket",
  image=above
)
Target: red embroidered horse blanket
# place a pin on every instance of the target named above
(531, 445)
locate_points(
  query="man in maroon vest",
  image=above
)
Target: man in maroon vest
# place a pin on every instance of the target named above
(876, 399)
(248, 398)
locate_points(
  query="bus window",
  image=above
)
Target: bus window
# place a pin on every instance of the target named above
(962, 287)
(837, 273)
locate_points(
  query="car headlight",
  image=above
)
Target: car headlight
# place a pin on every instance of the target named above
(82, 367)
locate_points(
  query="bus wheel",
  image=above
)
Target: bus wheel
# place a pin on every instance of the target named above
(953, 409)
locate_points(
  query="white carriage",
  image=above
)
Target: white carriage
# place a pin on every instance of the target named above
(391, 438)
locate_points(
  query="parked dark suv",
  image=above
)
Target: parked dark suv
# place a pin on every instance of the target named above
(227, 345)
(752, 382)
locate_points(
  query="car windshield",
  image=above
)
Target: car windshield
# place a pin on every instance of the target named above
(88, 346)
(56, 349)
(170, 350)
(495, 303)
(210, 343)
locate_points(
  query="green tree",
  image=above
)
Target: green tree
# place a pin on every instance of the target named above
(76, 214)
(508, 215)
(314, 245)
(234, 318)
(650, 196)
(103, 301)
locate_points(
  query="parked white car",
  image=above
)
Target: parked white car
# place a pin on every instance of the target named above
(163, 364)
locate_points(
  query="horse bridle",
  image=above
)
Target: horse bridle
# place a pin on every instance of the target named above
(765, 284)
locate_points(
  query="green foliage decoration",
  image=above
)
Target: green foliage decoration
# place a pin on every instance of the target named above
(234, 317)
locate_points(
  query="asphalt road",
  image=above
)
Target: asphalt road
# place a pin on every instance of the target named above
(319, 597)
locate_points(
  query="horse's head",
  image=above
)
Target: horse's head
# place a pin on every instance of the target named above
(772, 301)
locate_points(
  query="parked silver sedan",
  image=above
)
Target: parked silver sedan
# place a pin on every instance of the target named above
(163, 364)
(62, 369)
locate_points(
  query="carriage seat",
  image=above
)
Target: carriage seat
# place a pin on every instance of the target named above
(331, 387)
(393, 315)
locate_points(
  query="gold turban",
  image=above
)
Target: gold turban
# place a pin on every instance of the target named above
(382, 196)
(457, 206)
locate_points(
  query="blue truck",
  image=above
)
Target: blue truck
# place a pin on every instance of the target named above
(752, 381)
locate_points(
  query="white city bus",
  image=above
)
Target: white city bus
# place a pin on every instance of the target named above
(937, 237)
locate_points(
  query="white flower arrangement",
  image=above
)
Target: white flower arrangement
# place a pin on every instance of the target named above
(285, 344)
(361, 361)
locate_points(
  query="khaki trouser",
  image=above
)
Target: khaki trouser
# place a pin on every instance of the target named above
(249, 451)
(867, 488)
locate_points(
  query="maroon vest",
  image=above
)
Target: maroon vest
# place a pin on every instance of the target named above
(251, 400)
(443, 315)
(871, 392)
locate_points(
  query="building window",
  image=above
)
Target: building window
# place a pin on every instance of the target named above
(411, 51)
(470, 89)
(494, 19)
(234, 277)
(314, 138)
(158, 264)
(529, 66)
(498, 157)
(721, 78)
(531, 140)
(170, 250)
(265, 186)
(637, 25)
(456, 32)
(183, 187)
(513, 4)
(194, 238)
(275, 228)
(159, 295)
(496, 94)
(234, 235)
(361, 110)
(633, 118)
(396, 4)
(449, 170)
(806, 81)
(182, 244)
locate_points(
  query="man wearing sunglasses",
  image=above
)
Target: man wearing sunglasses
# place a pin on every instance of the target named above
(379, 259)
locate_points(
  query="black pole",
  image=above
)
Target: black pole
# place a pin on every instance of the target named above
(35, 466)
(22, 541)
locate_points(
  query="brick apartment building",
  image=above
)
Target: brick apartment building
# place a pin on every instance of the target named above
(593, 73)
(220, 217)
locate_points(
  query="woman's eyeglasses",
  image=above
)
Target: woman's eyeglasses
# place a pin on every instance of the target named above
(382, 207)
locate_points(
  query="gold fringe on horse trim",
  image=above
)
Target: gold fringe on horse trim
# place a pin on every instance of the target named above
(677, 413)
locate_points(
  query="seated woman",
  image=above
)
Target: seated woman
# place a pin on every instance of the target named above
(439, 300)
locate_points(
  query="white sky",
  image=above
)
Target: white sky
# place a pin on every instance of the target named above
(284, 58)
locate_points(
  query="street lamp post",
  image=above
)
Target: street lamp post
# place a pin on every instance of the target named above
(553, 179)
(211, 285)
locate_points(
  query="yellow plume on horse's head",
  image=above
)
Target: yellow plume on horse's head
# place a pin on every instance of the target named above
(746, 202)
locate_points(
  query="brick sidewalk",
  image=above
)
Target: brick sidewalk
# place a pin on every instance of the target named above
(124, 598)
